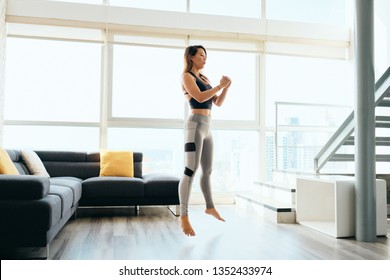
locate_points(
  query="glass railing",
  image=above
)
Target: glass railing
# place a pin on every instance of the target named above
(301, 130)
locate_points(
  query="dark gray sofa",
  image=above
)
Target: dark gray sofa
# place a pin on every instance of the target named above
(33, 209)
(148, 189)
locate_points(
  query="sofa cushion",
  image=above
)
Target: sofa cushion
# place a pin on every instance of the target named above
(116, 163)
(14, 155)
(113, 187)
(64, 156)
(82, 170)
(18, 162)
(6, 164)
(34, 163)
(63, 163)
(137, 157)
(69, 182)
(66, 196)
(161, 185)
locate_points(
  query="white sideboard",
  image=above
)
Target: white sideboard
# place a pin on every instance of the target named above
(327, 204)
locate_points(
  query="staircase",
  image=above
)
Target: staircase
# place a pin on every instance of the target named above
(344, 135)
(276, 200)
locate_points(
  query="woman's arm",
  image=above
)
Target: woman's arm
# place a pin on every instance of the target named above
(219, 99)
(192, 89)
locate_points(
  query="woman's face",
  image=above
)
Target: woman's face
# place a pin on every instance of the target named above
(199, 59)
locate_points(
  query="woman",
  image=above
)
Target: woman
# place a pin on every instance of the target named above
(198, 139)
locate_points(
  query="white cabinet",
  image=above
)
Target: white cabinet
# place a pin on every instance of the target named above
(327, 204)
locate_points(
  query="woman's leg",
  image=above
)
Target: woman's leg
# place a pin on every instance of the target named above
(192, 151)
(192, 154)
(206, 163)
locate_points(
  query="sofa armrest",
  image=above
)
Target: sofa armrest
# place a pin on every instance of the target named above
(21, 187)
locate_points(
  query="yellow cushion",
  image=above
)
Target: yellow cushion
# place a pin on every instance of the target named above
(116, 163)
(6, 164)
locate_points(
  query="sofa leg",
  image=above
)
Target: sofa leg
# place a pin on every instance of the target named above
(74, 216)
(137, 210)
(175, 209)
(47, 252)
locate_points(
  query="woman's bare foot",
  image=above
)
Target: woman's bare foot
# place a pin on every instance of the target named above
(186, 226)
(213, 212)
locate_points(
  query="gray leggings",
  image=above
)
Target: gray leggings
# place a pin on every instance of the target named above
(198, 149)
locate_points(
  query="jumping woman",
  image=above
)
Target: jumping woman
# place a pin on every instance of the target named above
(198, 145)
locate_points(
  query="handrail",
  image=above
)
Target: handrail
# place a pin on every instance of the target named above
(382, 88)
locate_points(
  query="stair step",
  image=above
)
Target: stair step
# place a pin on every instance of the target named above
(379, 141)
(272, 185)
(384, 103)
(383, 118)
(382, 124)
(351, 157)
(270, 190)
(274, 210)
(273, 204)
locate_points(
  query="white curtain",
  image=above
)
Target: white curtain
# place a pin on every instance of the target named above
(3, 8)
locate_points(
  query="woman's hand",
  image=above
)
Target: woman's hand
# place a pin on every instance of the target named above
(230, 82)
(224, 82)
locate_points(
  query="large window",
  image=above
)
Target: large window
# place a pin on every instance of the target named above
(146, 82)
(240, 104)
(306, 101)
(50, 80)
(113, 81)
(318, 11)
(305, 80)
(61, 103)
(56, 138)
(50, 84)
(243, 8)
(171, 5)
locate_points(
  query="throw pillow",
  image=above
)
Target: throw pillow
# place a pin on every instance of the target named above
(34, 163)
(6, 164)
(116, 163)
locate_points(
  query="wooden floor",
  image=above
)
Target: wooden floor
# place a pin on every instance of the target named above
(119, 234)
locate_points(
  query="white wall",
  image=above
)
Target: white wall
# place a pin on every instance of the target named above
(3, 6)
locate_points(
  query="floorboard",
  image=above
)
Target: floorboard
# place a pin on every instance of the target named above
(154, 234)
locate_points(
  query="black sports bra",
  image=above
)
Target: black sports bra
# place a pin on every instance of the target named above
(203, 87)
